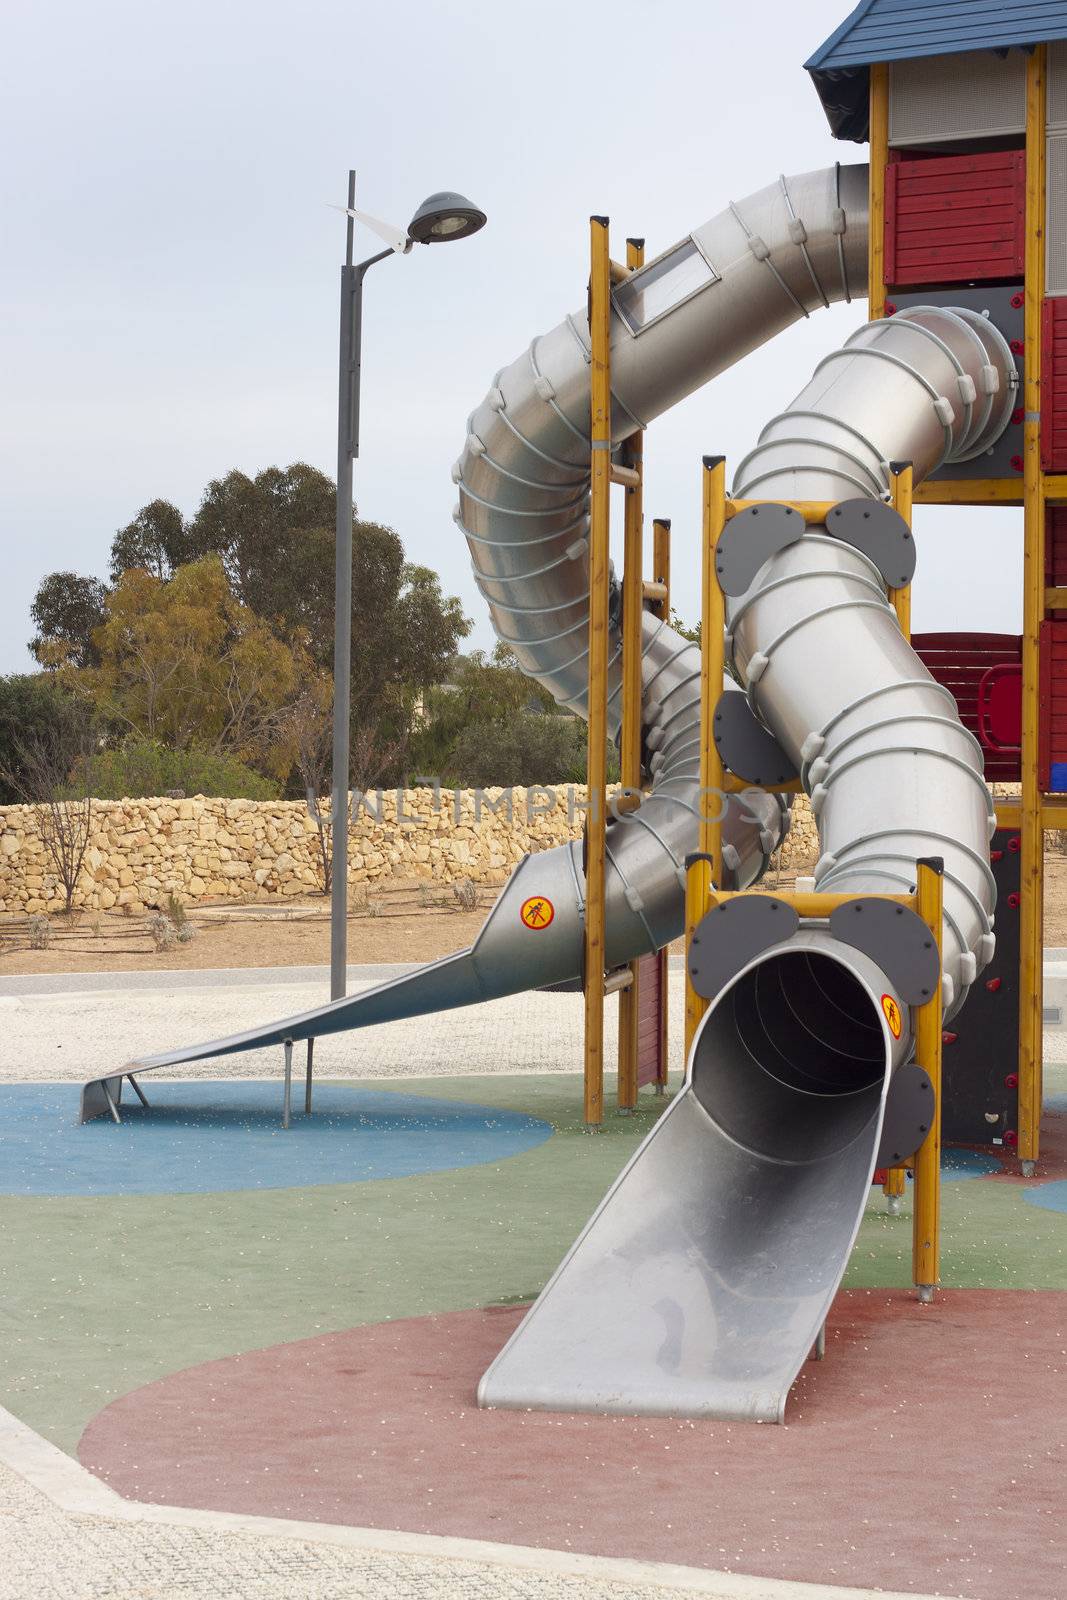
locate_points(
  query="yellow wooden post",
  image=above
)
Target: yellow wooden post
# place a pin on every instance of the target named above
(661, 607)
(712, 797)
(599, 557)
(1031, 910)
(661, 566)
(633, 604)
(926, 1221)
(901, 479)
(879, 136)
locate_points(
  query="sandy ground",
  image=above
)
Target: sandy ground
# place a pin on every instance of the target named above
(264, 934)
(400, 926)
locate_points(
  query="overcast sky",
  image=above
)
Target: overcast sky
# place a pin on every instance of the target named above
(169, 277)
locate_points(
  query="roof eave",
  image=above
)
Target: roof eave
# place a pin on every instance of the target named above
(845, 94)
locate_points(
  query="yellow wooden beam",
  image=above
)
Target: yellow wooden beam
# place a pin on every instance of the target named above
(1053, 811)
(1055, 486)
(1031, 865)
(813, 905)
(970, 492)
(926, 1220)
(879, 136)
(732, 784)
(633, 605)
(813, 511)
(1056, 599)
(901, 486)
(599, 571)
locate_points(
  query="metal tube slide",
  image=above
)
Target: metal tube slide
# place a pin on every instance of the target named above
(732, 284)
(702, 1280)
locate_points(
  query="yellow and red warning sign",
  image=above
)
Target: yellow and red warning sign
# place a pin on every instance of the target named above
(892, 1015)
(537, 913)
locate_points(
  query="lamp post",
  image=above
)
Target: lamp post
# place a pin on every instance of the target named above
(439, 219)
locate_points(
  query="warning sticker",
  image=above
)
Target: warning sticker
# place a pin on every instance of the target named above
(537, 912)
(892, 1015)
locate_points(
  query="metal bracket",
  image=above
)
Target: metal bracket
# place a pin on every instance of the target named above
(726, 939)
(879, 533)
(748, 749)
(909, 1115)
(897, 941)
(749, 539)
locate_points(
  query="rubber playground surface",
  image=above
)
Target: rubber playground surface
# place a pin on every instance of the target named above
(210, 1312)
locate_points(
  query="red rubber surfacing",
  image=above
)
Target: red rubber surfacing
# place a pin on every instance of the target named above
(926, 1453)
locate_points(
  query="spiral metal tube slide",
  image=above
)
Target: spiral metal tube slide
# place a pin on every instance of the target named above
(524, 477)
(893, 774)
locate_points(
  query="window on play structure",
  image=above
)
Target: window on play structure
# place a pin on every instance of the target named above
(663, 285)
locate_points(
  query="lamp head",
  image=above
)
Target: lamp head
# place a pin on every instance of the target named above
(443, 217)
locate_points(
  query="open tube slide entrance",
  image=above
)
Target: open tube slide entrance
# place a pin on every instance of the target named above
(703, 1279)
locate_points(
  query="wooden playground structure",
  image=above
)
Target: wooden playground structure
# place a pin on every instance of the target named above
(969, 211)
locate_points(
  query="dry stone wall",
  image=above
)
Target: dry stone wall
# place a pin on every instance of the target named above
(201, 850)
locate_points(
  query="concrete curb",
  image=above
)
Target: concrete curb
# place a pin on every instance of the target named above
(75, 1490)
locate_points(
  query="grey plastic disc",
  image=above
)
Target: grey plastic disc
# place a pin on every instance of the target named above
(730, 935)
(880, 533)
(750, 539)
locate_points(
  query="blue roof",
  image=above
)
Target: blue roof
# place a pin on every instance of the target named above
(901, 30)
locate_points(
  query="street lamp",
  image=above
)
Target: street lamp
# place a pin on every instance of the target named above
(440, 218)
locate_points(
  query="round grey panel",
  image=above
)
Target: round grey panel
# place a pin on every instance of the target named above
(880, 533)
(750, 539)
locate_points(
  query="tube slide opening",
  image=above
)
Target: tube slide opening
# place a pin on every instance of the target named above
(792, 1058)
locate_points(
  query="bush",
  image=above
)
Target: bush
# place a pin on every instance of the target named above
(466, 894)
(39, 930)
(526, 748)
(164, 933)
(145, 767)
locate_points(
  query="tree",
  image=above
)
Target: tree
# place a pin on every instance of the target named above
(156, 541)
(274, 534)
(272, 538)
(490, 724)
(306, 726)
(47, 762)
(33, 706)
(66, 610)
(184, 662)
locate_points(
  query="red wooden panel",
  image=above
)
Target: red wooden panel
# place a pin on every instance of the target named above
(955, 219)
(650, 1068)
(960, 661)
(1054, 389)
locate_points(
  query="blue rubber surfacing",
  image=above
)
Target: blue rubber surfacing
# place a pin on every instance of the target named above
(207, 1137)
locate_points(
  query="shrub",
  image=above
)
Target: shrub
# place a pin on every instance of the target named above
(39, 930)
(466, 894)
(145, 767)
(164, 933)
(528, 748)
